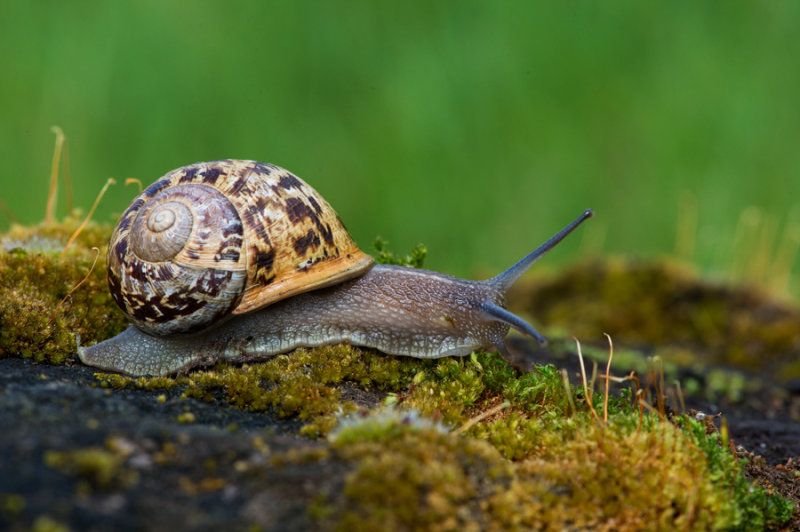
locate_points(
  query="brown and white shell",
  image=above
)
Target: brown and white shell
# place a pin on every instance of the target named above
(224, 237)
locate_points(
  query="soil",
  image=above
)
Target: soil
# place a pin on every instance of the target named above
(204, 475)
(223, 469)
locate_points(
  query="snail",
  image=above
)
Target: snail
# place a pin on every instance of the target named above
(236, 260)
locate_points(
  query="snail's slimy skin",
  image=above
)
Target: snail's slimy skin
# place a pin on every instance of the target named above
(397, 310)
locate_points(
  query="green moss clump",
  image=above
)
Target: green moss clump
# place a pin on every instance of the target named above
(35, 279)
(411, 473)
(752, 507)
(44, 523)
(415, 259)
(658, 303)
(446, 389)
(11, 505)
(100, 468)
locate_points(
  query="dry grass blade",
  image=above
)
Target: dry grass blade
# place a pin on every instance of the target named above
(49, 213)
(80, 228)
(608, 375)
(480, 417)
(786, 254)
(586, 391)
(680, 396)
(568, 392)
(67, 175)
(686, 233)
(8, 212)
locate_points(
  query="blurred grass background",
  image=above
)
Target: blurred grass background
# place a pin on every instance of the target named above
(478, 128)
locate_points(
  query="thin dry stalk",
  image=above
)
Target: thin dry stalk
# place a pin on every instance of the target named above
(786, 254)
(680, 396)
(91, 269)
(133, 180)
(480, 417)
(49, 213)
(565, 380)
(763, 251)
(80, 228)
(8, 212)
(67, 176)
(586, 391)
(686, 233)
(608, 374)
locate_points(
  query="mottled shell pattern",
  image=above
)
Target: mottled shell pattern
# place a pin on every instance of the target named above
(224, 237)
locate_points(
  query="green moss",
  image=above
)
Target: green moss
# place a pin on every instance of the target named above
(415, 259)
(45, 523)
(446, 389)
(113, 380)
(751, 507)
(35, 279)
(410, 473)
(11, 505)
(515, 435)
(186, 417)
(97, 467)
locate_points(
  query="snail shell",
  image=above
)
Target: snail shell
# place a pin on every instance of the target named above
(214, 239)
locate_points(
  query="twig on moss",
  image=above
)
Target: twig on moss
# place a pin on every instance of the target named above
(480, 417)
(94, 263)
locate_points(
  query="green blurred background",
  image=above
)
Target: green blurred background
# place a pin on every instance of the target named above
(478, 128)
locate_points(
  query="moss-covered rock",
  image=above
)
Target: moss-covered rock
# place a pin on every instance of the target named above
(40, 315)
(663, 306)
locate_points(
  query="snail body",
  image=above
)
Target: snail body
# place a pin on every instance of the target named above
(220, 301)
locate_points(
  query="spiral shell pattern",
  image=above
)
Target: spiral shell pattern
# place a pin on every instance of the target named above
(225, 237)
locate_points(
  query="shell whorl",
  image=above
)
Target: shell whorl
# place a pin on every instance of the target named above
(161, 231)
(211, 239)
